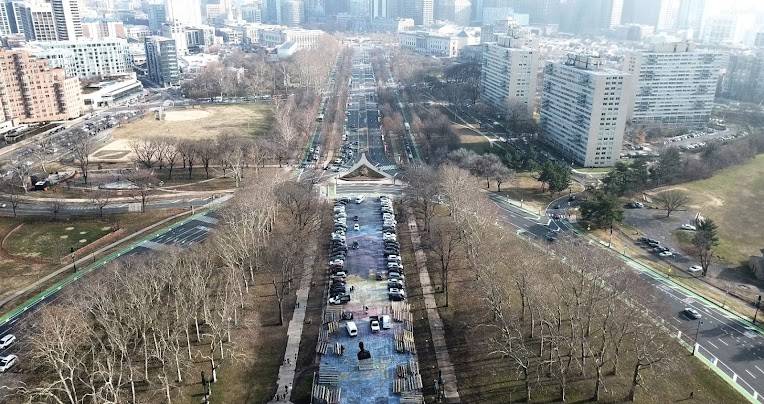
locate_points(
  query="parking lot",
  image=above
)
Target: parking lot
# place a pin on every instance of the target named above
(360, 286)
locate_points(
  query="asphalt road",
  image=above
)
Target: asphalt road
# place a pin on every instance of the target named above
(737, 346)
(76, 209)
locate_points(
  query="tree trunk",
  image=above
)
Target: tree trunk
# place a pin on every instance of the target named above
(196, 324)
(527, 380)
(634, 382)
(188, 345)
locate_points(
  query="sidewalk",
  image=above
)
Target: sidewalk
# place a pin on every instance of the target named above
(294, 333)
(445, 366)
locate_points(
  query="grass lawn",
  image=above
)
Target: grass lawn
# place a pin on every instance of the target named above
(33, 251)
(201, 122)
(732, 198)
(49, 240)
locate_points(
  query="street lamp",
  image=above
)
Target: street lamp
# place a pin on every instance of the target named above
(697, 332)
(74, 262)
(758, 304)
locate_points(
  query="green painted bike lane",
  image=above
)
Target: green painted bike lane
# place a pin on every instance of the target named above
(100, 263)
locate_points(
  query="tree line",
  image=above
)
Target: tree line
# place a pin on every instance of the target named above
(570, 317)
(140, 328)
(241, 74)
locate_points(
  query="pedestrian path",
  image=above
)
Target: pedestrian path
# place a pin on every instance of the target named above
(294, 334)
(450, 388)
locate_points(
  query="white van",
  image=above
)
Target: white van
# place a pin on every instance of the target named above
(352, 329)
(386, 322)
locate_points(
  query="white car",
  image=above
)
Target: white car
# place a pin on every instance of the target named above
(394, 266)
(689, 227)
(666, 254)
(360, 199)
(394, 258)
(374, 325)
(695, 269)
(356, 227)
(7, 362)
(7, 341)
(352, 328)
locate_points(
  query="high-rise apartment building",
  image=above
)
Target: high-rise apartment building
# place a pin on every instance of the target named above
(37, 21)
(591, 16)
(6, 14)
(66, 14)
(104, 57)
(162, 61)
(583, 114)
(509, 72)
(31, 91)
(177, 32)
(674, 84)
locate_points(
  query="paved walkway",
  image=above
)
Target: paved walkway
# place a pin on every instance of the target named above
(294, 333)
(436, 324)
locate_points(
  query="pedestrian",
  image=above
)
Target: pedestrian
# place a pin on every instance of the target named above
(287, 361)
(692, 394)
(298, 304)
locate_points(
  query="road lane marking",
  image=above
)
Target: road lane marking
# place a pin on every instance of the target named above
(749, 373)
(759, 369)
(722, 341)
(712, 344)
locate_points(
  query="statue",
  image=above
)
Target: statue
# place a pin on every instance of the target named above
(363, 353)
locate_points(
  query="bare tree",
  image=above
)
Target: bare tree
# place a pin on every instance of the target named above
(100, 199)
(423, 191)
(11, 191)
(672, 200)
(147, 151)
(143, 182)
(82, 148)
(446, 242)
(206, 150)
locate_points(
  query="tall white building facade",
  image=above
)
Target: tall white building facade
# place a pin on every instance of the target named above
(291, 12)
(508, 75)
(674, 84)
(188, 12)
(105, 57)
(583, 114)
(67, 17)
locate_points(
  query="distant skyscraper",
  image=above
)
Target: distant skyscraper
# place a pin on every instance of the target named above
(291, 12)
(644, 12)
(188, 12)
(583, 114)
(759, 41)
(674, 84)
(37, 21)
(668, 16)
(719, 29)
(423, 12)
(691, 15)
(66, 14)
(591, 16)
(157, 16)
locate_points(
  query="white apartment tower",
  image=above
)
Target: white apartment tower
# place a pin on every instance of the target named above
(509, 70)
(66, 14)
(583, 114)
(674, 84)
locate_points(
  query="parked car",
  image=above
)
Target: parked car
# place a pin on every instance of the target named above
(691, 313)
(374, 324)
(689, 227)
(666, 254)
(695, 269)
(386, 322)
(7, 362)
(7, 341)
(351, 328)
(339, 299)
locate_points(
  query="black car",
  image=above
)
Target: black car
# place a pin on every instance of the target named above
(392, 251)
(355, 218)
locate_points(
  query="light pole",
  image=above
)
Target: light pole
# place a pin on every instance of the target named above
(697, 332)
(758, 304)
